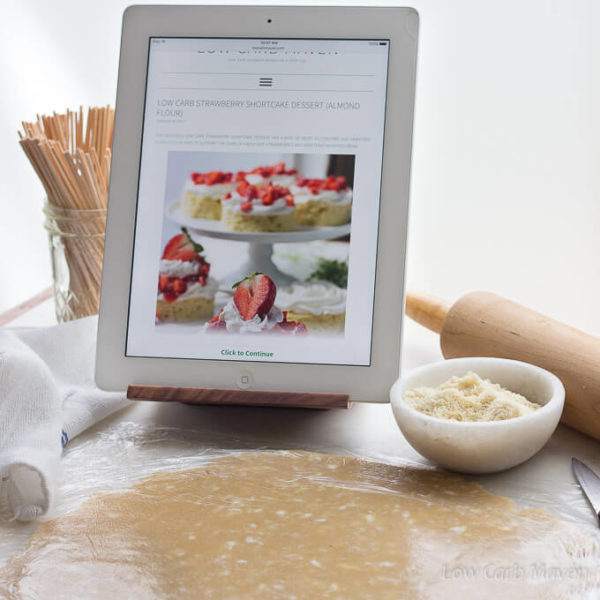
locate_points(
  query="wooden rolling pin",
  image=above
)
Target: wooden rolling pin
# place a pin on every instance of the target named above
(484, 324)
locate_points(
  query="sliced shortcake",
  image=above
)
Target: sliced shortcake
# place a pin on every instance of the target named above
(203, 193)
(322, 202)
(266, 208)
(185, 290)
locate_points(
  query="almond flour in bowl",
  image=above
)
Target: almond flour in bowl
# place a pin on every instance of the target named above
(478, 446)
(469, 398)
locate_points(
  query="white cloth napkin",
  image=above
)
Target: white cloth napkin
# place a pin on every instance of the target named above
(47, 397)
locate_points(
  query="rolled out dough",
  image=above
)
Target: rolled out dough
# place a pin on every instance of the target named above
(305, 526)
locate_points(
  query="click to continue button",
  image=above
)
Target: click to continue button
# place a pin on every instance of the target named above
(244, 380)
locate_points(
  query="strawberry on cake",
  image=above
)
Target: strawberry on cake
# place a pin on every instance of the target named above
(259, 208)
(322, 202)
(203, 193)
(185, 290)
(320, 305)
(252, 310)
(275, 174)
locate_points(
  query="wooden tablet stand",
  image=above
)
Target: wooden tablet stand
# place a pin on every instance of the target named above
(207, 396)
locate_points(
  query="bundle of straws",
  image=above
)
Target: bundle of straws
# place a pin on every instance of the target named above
(71, 156)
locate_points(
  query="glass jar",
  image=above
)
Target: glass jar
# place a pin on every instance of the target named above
(76, 246)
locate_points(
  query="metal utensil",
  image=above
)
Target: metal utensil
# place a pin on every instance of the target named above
(589, 482)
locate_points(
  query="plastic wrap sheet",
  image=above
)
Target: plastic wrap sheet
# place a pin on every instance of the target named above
(551, 558)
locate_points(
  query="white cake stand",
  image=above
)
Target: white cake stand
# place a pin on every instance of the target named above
(260, 244)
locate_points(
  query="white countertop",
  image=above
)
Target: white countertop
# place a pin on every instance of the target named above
(148, 434)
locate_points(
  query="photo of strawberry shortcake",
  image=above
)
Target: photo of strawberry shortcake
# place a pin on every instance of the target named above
(276, 174)
(266, 208)
(252, 310)
(186, 292)
(203, 192)
(276, 215)
(322, 202)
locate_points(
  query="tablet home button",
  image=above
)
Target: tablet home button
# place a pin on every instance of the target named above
(244, 380)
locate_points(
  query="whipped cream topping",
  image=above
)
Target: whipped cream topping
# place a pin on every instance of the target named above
(196, 290)
(315, 298)
(256, 179)
(178, 268)
(303, 194)
(279, 207)
(284, 180)
(218, 190)
(236, 324)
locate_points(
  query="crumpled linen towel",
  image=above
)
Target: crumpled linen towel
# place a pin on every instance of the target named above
(47, 397)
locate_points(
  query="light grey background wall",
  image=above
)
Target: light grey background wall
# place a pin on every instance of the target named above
(506, 177)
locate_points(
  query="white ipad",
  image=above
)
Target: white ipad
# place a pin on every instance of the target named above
(258, 201)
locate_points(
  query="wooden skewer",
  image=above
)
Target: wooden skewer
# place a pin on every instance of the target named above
(63, 135)
(70, 154)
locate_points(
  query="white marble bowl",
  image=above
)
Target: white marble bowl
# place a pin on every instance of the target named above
(481, 447)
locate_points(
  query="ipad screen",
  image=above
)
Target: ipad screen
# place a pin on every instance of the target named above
(258, 200)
